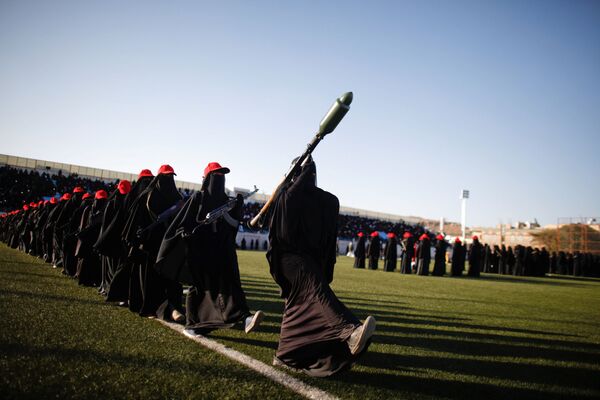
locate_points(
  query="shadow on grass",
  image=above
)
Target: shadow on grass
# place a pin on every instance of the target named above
(99, 365)
(412, 385)
(588, 279)
(470, 344)
(427, 320)
(48, 296)
(526, 279)
(567, 376)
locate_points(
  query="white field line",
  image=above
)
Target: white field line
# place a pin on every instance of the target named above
(282, 378)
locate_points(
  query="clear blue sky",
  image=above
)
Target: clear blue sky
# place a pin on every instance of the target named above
(502, 98)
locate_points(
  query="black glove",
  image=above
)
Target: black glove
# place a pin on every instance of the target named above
(237, 211)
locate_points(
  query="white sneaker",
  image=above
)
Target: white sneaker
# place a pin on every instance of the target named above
(253, 321)
(359, 337)
(190, 333)
(177, 316)
(278, 363)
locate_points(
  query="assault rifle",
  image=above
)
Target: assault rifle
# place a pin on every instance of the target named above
(162, 218)
(217, 213)
(329, 122)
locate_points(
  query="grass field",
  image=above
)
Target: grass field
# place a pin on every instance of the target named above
(493, 337)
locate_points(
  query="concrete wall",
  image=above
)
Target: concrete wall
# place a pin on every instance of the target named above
(85, 172)
(512, 237)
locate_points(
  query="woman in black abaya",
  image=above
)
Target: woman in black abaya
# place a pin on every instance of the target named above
(319, 335)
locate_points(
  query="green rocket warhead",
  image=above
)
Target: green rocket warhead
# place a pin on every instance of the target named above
(335, 114)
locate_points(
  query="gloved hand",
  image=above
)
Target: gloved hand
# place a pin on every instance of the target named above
(238, 210)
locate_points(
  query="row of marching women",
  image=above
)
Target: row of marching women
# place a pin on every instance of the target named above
(109, 241)
(140, 243)
(416, 256)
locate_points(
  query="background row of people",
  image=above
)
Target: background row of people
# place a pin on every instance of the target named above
(416, 255)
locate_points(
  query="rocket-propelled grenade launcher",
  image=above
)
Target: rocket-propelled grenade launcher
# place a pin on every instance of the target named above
(328, 124)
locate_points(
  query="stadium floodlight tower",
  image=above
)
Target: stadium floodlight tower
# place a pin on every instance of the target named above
(464, 195)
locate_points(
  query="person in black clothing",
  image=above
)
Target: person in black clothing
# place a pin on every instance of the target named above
(126, 285)
(520, 257)
(487, 258)
(204, 256)
(374, 250)
(26, 227)
(562, 266)
(110, 244)
(144, 230)
(528, 262)
(74, 226)
(439, 265)
(475, 252)
(458, 265)
(65, 229)
(319, 335)
(553, 265)
(408, 249)
(423, 255)
(510, 261)
(89, 269)
(57, 238)
(38, 221)
(47, 230)
(391, 253)
(501, 257)
(359, 252)
(576, 263)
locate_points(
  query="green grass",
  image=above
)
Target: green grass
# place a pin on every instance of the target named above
(493, 337)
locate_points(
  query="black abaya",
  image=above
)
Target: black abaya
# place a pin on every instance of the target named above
(207, 260)
(302, 255)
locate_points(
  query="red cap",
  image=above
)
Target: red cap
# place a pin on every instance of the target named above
(407, 235)
(457, 240)
(66, 196)
(78, 189)
(145, 172)
(440, 237)
(360, 234)
(215, 167)
(166, 170)
(475, 237)
(101, 194)
(53, 200)
(391, 235)
(25, 207)
(424, 236)
(46, 201)
(33, 204)
(39, 203)
(373, 234)
(124, 186)
(86, 196)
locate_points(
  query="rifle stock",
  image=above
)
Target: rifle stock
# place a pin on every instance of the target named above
(257, 221)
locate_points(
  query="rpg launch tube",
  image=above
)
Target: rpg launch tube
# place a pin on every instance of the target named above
(335, 114)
